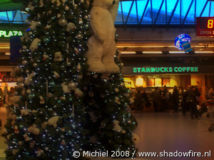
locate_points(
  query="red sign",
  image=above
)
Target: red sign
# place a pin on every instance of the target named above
(205, 26)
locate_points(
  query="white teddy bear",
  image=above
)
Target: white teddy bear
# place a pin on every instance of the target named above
(101, 45)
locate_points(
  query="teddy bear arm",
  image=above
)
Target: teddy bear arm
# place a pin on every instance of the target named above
(101, 23)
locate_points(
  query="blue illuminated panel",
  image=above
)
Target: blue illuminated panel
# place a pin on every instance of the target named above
(16, 17)
(145, 12)
(163, 12)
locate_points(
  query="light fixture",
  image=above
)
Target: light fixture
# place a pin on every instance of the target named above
(152, 52)
(139, 81)
(205, 52)
(177, 52)
(127, 52)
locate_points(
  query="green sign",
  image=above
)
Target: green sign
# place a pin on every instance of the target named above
(165, 69)
(8, 34)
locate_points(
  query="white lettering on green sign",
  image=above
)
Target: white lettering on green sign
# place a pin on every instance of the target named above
(165, 69)
(8, 34)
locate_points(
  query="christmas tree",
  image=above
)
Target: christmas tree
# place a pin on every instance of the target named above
(61, 105)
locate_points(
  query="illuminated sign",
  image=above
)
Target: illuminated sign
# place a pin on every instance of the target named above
(8, 34)
(182, 42)
(165, 70)
(205, 26)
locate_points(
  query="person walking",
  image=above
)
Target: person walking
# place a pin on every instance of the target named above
(156, 99)
(184, 102)
(210, 107)
(175, 97)
(192, 99)
(138, 100)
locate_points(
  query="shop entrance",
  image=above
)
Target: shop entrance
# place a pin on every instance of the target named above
(150, 82)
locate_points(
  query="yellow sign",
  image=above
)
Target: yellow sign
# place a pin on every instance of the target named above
(129, 83)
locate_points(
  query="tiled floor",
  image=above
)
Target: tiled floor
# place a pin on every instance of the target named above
(166, 131)
(171, 132)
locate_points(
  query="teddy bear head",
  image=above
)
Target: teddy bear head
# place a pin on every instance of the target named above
(103, 3)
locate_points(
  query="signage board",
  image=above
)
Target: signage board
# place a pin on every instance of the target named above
(205, 26)
(165, 69)
(10, 33)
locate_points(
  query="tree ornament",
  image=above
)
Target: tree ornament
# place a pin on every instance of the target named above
(65, 88)
(70, 27)
(117, 100)
(78, 67)
(32, 144)
(30, 7)
(26, 137)
(53, 121)
(76, 50)
(56, 75)
(25, 112)
(59, 15)
(39, 152)
(117, 126)
(44, 125)
(80, 21)
(41, 3)
(72, 85)
(58, 57)
(68, 62)
(34, 45)
(24, 62)
(34, 24)
(35, 64)
(57, 2)
(79, 36)
(62, 22)
(34, 130)
(48, 27)
(29, 78)
(20, 143)
(15, 151)
(45, 57)
(116, 90)
(63, 142)
(63, 98)
(78, 92)
(42, 100)
(67, 8)
(16, 130)
(123, 131)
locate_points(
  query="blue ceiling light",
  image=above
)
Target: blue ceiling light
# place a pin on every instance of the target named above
(14, 17)
(144, 12)
(165, 12)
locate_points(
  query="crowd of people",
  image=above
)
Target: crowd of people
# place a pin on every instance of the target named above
(161, 99)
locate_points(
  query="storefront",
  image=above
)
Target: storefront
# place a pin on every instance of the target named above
(6, 66)
(168, 70)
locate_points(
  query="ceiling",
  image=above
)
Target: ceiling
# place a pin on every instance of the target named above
(9, 5)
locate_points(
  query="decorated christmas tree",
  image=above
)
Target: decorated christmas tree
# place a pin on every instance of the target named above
(64, 102)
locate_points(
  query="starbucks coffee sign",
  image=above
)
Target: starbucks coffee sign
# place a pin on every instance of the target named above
(165, 70)
(11, 33)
